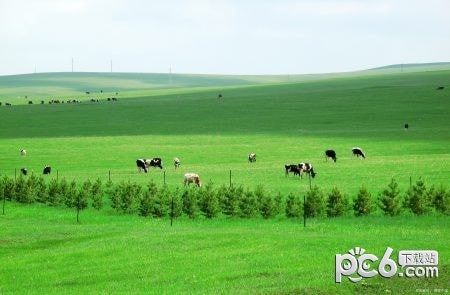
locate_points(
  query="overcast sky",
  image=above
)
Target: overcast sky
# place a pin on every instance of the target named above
(222, 37)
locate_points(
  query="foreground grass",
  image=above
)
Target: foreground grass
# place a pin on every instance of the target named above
(43, 250)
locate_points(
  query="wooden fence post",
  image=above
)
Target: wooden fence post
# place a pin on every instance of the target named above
(4, 201)
(171, 212)
(309, 176)
(304, 210)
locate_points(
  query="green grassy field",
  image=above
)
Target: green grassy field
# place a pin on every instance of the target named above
(44, 251)
(282, 121)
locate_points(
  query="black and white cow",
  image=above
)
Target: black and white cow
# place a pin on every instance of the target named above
(251, 157)
(307, 168)
(358, 152)
(24, 171)
(155, 162)
(47, 170)
(142, 165)
(330, 154)
(292, 168)
(23, 152)
(176, 162)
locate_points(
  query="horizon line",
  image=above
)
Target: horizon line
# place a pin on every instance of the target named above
(220, 74)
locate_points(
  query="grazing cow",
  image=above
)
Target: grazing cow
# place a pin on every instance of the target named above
(155, 162)
(176, 162)
(330, 154)
(307, 168)
(440, 88)
(23, 152)
(30, 102)
(406, 126)
(87, 92)
(192, 178)
(7, 104)
(292, 168)
(219, 96)
(252, 157)
(24, 171)
(47, 170)
(142, 165)
(114, 99)
(358, 152)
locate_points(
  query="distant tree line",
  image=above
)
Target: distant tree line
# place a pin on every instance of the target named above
(209, 201)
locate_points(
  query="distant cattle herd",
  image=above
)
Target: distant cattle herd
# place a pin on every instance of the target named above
(61, 101)
(113, 99)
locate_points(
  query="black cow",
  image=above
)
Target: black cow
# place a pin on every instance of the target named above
(440, 88)
(292, 168)
(142, 165)
(155, 162)
(307, 168)
(406, 126)
(358, 152)
(330, 154)
(251, 157)
(47, 170)
(24, 171)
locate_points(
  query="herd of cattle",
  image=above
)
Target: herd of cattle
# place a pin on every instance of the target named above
(143, 165)
(58, 101)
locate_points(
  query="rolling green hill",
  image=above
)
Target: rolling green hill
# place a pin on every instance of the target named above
(48, 86)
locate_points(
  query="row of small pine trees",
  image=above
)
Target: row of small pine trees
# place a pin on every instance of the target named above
(236, 201)
(56, 192)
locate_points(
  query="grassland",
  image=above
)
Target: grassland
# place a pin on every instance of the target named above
(287, 123)
(43, 251)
